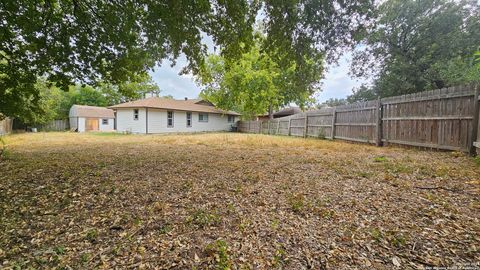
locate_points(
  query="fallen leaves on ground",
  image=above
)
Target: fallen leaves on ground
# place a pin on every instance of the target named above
(233, 201)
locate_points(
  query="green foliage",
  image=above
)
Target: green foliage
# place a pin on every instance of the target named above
(362, 93)
(332, 102)
(91, 235)
(59, 250)
(476, 58)
(219, 250)
(477, 160)
(376, 234)
(4, 152)
(256, 84)
(380, 159)
(279, 258)
(115, 42)
(203, 218)
(297, 203)
(54, 103)
(417, 46)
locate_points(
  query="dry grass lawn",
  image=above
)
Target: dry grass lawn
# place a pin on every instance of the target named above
(233, 201)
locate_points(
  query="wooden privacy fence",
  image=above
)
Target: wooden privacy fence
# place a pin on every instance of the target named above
(442, 119)
(6, 126)
(56, 125)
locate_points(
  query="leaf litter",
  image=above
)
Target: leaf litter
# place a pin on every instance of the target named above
(233, 201)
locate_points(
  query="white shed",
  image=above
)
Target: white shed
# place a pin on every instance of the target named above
(90, 118)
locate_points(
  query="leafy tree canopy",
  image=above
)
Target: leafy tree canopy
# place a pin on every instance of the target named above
(419, 45)
(91, 41)
(256, 83)
(54, 103)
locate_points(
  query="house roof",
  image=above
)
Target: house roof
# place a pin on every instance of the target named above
(283, 112)
(287, 111)
(173, 104)
(91, 111)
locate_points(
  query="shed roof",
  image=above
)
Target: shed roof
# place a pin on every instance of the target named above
(91, 111)
(173, 104)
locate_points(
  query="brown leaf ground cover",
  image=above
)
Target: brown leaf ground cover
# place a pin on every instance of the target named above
(233, 201)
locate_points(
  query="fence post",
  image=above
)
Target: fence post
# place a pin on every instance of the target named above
(289, 126)
(268, 127)
(278, 126)
(334, 118)
(476, 111)
(378, 123)
(305, 130)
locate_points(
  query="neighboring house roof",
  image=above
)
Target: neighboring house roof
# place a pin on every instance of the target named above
(91, 111)
(287, 111)
(195, 105)
(282, 113)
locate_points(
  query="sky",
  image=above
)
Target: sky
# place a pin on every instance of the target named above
(337, 82)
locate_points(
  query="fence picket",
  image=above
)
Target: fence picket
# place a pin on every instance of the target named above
(442, 119)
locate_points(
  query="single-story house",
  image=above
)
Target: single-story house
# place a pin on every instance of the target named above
(90, 118)
(162, 115)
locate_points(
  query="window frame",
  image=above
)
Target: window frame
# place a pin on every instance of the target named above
(170, 118)
(136, 114)
(189, 119)
(104, 121)
(232, 117)
(203, 120)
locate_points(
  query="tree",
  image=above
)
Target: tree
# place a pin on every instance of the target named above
(130, 90)
(363, 93)
(332, 102)
(419, 45)
(50, 105)
(168, 96)
(110, 41)
(256, 84)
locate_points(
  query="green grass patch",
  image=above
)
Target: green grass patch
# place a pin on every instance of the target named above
(108, 134)
(380, 159)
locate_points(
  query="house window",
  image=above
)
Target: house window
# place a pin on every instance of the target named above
(169, 119)
(104, 121)
(231, 119)
(203, 117)
(189, 119)
(135, 114)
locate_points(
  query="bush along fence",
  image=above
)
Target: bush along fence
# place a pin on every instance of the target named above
(439, 119)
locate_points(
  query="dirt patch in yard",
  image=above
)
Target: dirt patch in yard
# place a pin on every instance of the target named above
(233, 201)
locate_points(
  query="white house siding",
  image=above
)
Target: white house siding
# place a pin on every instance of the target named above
(107, 127)
(73, 123)
(81, 124)
(157, 122)
(125, 121)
